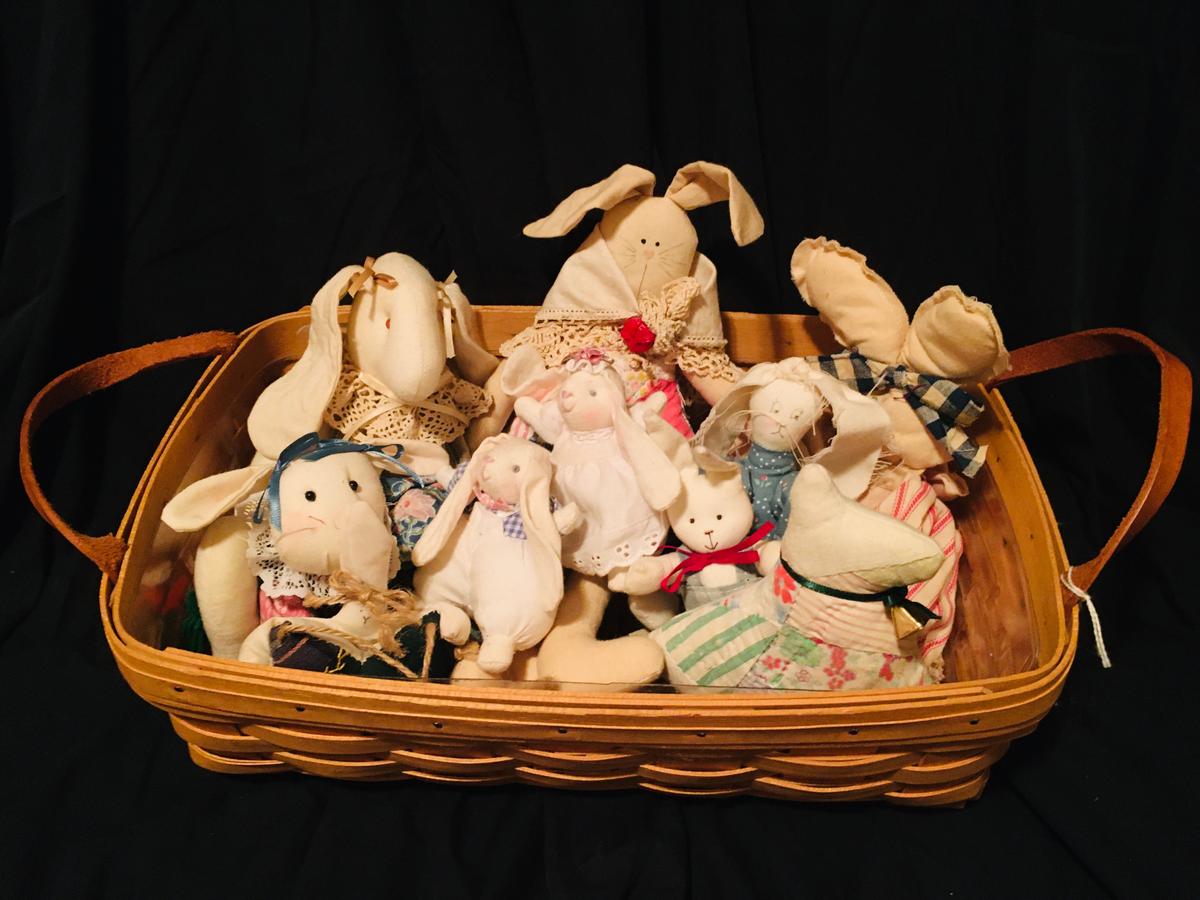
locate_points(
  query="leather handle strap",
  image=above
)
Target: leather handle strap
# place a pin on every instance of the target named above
(106, 551)
(1170, 443)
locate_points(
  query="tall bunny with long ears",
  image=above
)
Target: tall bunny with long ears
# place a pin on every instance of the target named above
(501, 564)
(407, 372)
(637, 287)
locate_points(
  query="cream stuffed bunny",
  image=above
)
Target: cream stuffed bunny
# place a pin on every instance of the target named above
(713, 518)
(606, 463)
(407, 372)
(769, 423)
(637, 287)
(834, 613)
(326, 513)
(952, 339)
(502, 563)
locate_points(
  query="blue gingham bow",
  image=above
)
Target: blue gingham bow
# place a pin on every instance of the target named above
(311, 447)
(943, 406)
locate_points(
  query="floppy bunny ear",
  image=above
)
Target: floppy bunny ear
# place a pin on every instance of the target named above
(628, 181)
(439, 530)
(473, 361)
(704, 183)
(526, 375)
(656, 475)
(539, 525)
(294, 404)
(202, 502)
(862, 427)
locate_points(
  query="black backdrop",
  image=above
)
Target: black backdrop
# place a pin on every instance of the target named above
(173, 167)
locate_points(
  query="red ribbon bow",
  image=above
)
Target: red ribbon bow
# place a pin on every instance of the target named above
(738, 554)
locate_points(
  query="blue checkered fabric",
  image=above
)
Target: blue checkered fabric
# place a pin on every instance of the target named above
(943, 406)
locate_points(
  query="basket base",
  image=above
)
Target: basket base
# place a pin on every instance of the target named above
(908, 778)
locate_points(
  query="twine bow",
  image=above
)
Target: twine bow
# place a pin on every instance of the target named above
(693, 561)
(942, 405)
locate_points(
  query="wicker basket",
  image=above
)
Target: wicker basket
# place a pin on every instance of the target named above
(1015, 638)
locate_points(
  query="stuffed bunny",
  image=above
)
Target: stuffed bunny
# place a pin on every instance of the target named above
(914, 368)
(502, 563)
(408, 372)
(606, 463)
(834, 614)
(637, 288)
(771, 418)
(326, 511)
(712, 517)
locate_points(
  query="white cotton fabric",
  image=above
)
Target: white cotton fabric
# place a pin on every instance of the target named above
(620, 526)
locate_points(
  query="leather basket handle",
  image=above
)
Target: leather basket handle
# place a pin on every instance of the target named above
(106, 551)
(1170, 443)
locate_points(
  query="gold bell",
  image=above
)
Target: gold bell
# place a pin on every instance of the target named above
(904, 622)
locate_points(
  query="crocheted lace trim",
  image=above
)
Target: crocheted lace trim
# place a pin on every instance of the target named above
(362, 413)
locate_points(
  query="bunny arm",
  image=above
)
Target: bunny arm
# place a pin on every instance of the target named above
(712, 388)
(226, 587)
(645, 575)
(567, 518)
(543, 417)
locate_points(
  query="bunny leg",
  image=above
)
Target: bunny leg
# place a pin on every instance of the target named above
(226, 588)
(571, 655)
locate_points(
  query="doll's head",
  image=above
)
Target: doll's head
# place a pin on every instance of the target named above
(651, 238)
(782, 412)
(318, 500)
(503, 467)
(712, 511)
(592, 396)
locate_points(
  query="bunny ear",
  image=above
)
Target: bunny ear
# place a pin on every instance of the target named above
(294, 404)
(204, 501)
(526, 375)
(473, 361)
(656, 475)
(539, 525)
(628, 181)
(861, 428)
(439, 530)
(704, 183)
(861, 308)
(956, 337)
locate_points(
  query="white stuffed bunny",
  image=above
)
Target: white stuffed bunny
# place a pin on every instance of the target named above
(775, 409)
(502, 563)
(712, 517)
(606, 463)
(326, 512)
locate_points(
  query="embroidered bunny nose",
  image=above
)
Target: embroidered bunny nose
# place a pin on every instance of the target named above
(648, 253)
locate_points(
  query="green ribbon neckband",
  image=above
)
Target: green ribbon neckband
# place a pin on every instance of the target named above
(893, 597)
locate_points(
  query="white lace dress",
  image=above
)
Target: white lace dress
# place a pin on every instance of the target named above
(619, 526)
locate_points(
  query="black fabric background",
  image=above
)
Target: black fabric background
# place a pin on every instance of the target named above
(177, 167)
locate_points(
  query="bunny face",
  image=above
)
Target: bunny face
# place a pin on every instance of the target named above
(503, 468)
(652, 240)
(712, 512)
(318, 499)
(586, 401)
(781, 412)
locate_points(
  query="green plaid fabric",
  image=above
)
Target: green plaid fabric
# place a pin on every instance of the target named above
(943, 406)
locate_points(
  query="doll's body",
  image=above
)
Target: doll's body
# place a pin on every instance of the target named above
(501, 563)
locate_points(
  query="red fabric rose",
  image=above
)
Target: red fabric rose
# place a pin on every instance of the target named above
(637, 335)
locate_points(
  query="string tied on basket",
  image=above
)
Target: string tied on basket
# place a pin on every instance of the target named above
(1086, 599)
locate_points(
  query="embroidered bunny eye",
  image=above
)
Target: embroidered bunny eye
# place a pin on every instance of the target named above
(353, 485)
(656, 243)
(593, 393)
(718, 517)
(310, 496)
(691, 521)
(516, 468)
(643, 240)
